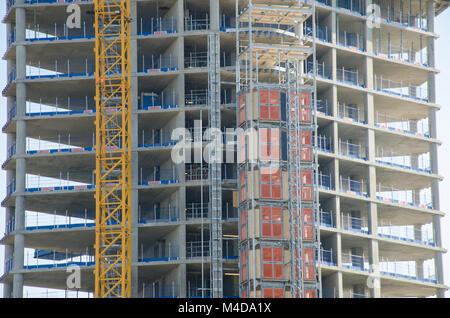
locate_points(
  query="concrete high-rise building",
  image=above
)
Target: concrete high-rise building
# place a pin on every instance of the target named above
(373, 85)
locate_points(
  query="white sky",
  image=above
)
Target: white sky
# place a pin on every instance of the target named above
(443, 99)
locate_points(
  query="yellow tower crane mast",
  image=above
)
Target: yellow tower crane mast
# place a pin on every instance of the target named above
(113, 153)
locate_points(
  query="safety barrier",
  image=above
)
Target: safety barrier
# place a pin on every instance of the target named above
(419, 163)
(353, 187)
(60, 143)
(163, 100)
(197, 211)
(59, 69)
(38, 259)
(325, 182)
(324, 143)
(354, 262)
(400, 89)
(324, 107)
(401, 53)
(196, 59)
(43, 221)
(156, 214)
(54, 293)
(196, 97)
(418, 198)
(59, 32)
(406, 233)
(327, 219)
(404, 18)
(59, 182)
(328, 257)
(350, 77)
(195, 24)
(351, 113)
(159, 253)
(157, 26)
(353, 6)
(352, 41)
(197, 249)
(404, 125)
(354, 224)
(156, 138)
(156, 175)
(322, 70)
(322, 33)
(154, 63)
(157, 290)
(60, 106)
(54, 1)
(352, 150)
(408, 270)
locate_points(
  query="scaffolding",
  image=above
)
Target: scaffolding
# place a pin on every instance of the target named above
(113, 149)
(274, 98)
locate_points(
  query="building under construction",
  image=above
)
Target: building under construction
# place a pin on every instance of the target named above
(222, 148)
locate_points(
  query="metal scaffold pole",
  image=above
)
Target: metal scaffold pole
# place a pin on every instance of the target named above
(113, 149)
(215, 171)
(269, 80)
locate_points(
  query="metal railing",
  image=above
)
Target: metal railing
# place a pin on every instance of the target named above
(349, 149)
(354, 224)
(163, 100)
(59, 32)
(157, 26)
(159, 214)
(418, 198)
(196, 59)
(406, 19)
(197, 210)
(351, 111)
(156, 138)
(351, 40)
(356, 262)
(60, 181)
(408, 270)
(324, 143)
(60, 143)
(35, 258)
(44, 221)
(420, 163)
(324, 107)
(195, 97)
(328, 257)
(325, 181)
(61, 106)
(194, 24)
(402, 53)
(400, 89)
(322, 70)
(159, 253)
(349, 77)
(406, 233)
(54, 293)
(352, 186)
(356, 6)
(157, 175)
(322, 33)
(157, 290)
(156, 63)
(59, 68)
(327, 219)
(197, 249)
(414, 127)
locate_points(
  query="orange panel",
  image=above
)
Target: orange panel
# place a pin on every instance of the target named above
(277, 230)
(307, 216)
(276, 214)
(278, 293)
(274, 112)
(277, 254)
(267, 254)
(305, 99)
(267, 292)
(307, 177)
(308, 256)
(310, 294)
(308, 272)
(307, 193)
(306, 154)
(267, 271)
(308, 232)
(278, 271)
(276, 191)
(305, 115)
(264, 112)
(264, 96)
(266, 229)
(306, 138)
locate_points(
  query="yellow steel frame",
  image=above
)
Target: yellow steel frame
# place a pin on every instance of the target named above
(113, 153)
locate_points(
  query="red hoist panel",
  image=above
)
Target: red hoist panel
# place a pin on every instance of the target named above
(269, 104)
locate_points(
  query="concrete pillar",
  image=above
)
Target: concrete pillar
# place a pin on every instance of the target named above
(134, 153)
(19, 241)
(433, 147)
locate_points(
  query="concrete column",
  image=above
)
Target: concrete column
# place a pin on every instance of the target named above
(134, 153)
(433, 148)
(19, 242)
(214, 13)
